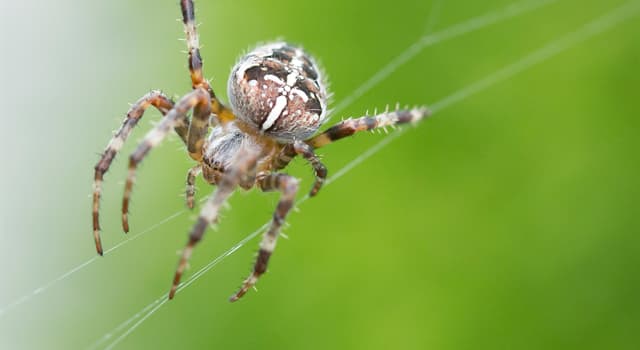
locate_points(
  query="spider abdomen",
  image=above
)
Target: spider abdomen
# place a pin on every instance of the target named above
(278, 89)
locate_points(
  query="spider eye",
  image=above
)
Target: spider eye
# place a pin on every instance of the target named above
(217, 167)
(277, 89)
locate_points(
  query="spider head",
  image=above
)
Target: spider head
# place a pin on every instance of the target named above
(278, 89)
(222, 146)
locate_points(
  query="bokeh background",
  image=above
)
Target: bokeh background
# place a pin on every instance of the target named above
(509, 220)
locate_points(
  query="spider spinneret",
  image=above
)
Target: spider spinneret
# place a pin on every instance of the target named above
(278, 101)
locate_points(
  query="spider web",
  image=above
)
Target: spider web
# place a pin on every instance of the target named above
(471, 25)
(608, 21)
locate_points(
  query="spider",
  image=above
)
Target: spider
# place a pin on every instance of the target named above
(278, 101)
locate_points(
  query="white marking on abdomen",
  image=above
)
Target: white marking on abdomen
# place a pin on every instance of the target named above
(297, 62)
(244, 67)
(274, 79)
(300, 93)
(291, 78)
(281, 103)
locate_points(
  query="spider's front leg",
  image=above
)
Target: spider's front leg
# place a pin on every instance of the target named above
(351, 126)
(191, 181)
(288, 186)
(319, 169)
(244, 166)
(200, 101)
(135, 113)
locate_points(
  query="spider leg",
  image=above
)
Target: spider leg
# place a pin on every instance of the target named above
(191, 180)
(199, 100)
(320, 170)
(198, 130)
(193, 44)
(153, 98)
(223, 113)
(284, 157)
(288, 186)
(245, 163)
(351, 126)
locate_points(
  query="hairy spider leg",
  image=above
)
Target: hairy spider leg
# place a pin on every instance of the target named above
(341, 130)
(153, 98)
(319, 169)
(349, 127)
(223, 113)
(244, 166)
(198, 130)
(191, 181)
(288, 186)
(200, 101)
(193, 44)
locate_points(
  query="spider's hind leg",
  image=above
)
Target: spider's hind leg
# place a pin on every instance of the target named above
(244, 167)
(288, 186)
(351, 126)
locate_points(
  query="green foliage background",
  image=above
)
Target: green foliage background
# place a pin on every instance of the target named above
(508, 221)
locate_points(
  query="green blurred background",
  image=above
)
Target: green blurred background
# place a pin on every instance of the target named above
(509, 220)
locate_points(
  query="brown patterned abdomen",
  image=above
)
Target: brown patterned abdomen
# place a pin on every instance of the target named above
(278, 89)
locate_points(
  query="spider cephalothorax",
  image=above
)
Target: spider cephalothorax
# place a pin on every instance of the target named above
(278, 101)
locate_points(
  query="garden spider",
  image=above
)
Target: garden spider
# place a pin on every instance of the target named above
(278, 101)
